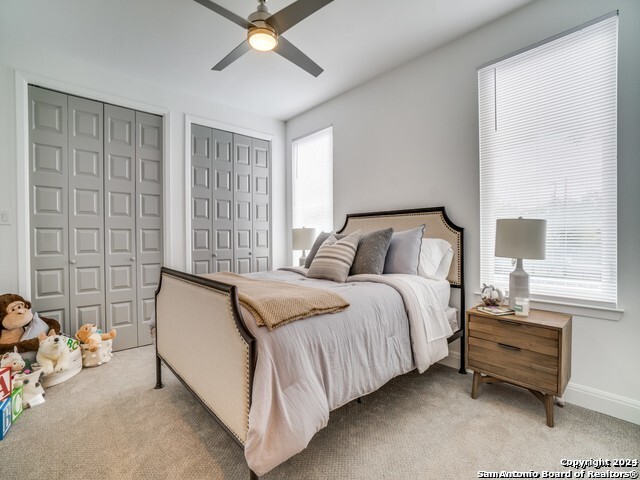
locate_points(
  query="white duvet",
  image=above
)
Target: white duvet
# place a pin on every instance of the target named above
(307, 368)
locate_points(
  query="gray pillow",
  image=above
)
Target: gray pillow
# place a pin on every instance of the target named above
(334, 258)
(404, 251)
(372, 251)
(316, 245)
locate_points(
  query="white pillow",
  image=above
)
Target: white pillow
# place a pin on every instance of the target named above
(435, 258)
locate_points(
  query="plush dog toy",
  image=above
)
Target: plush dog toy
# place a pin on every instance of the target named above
(19, 327)
(53, 354)
(13, 360)
(88, 334)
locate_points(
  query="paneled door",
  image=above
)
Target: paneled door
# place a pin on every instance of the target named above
(49, 203)
(230, 202)
(86, 209)
(243, 204)
(260, 200)
(120, 223)
(96, 214)
(149, 217)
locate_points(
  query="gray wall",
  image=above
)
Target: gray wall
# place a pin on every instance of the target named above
(412, 135)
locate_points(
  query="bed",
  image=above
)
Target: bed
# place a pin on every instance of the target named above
(273, 390)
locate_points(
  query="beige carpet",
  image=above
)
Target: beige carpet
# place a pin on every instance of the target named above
(109, 423)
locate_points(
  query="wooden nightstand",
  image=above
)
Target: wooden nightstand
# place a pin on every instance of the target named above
(533, 352)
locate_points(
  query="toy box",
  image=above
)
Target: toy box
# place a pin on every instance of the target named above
(5, 417)
(100, 356)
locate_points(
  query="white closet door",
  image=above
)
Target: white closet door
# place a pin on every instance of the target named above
(48, 198)
(86, 219)
(261, 159)
(222, 195)
(243, 204)
(149, 217)
(120, 224)
(201, 204)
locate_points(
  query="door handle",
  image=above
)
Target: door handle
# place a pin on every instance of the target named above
(133, 259)
(214, 254)
(72, 262)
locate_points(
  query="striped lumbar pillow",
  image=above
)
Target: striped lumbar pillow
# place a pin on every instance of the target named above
(334, 258)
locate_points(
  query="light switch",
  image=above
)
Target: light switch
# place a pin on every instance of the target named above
(5, 217)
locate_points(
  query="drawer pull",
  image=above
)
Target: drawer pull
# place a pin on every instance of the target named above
(515, 324)
(509, 347)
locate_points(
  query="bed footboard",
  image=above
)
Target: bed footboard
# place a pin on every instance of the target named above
(202, 338)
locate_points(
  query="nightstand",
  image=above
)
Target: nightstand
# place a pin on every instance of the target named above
(533, 352)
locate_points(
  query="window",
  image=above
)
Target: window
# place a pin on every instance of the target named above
(312, 181)
(547, 119)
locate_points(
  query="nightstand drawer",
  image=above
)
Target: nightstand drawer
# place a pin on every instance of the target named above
(526, 367)
(526, 337)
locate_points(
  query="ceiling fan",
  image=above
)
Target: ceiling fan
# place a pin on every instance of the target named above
(264, 31)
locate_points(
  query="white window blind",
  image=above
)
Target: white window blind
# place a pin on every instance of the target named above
(547, 119)
(312, 178)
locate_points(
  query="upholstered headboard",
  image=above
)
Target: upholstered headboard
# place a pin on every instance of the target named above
(437, 225)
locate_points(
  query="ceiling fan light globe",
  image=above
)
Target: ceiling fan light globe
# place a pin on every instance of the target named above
(262, 39)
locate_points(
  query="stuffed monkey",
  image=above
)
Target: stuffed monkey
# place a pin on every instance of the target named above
(15, 314)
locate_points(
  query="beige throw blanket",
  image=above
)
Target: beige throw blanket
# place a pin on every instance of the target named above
(276, 303)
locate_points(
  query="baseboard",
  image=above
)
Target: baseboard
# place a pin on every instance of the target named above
(586, 397)
(452, 360)
(603, 402)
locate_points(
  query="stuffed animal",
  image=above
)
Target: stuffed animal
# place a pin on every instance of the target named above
(88, 334)
(53, 354)
(13, 360)
(491, 295)
(15, 313)
(31, 387)
(19, 327)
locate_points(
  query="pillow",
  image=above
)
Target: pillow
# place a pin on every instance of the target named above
(436, 255)
(372, 251)
(334, 258)
(404, 251)
(316, 245)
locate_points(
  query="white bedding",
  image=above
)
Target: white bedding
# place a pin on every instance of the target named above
(337, 357)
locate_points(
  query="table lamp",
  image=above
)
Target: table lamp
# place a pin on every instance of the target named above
(520, 238)
(303, 239)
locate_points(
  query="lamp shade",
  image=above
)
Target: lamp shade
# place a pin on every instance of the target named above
(303, 238)
(521, 238)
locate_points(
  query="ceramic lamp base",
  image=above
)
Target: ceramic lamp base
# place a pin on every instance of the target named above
(518, 284)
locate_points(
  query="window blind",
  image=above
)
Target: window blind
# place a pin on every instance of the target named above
(312, 181)
(548, 149)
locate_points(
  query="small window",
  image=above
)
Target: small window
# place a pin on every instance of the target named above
(312, 181)
(548, 139)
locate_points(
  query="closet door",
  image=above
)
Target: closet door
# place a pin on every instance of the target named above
(86, 219)
(149, 218)
(48, 199)
(201, 206)
(243, 203)
(261, 159)
(120, 224)
(222, 201)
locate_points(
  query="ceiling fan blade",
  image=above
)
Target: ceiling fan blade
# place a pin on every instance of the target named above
(286, 18)
(237, 19)
(289, 51)
(235, 54)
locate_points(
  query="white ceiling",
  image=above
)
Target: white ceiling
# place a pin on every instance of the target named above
(176, 42)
